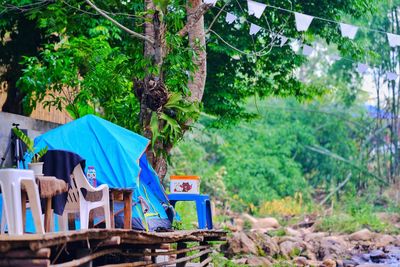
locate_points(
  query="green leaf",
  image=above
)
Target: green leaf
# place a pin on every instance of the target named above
(154, 128)
(24, 138)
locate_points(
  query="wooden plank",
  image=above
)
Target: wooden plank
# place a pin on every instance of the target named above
(180, 260)
(47, 215)
(205, 262)
(204, 256)
(43, 253)
(38, 241)
(87, 258)
(25, 262)
(128, 264)
(128, 209)
(166, 253)
(166, 263)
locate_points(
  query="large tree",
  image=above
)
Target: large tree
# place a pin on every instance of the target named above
(143, 64)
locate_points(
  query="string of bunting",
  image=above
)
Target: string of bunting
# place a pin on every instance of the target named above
(303, 22)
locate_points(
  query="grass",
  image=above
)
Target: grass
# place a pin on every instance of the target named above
(355, 214)
(188, 215)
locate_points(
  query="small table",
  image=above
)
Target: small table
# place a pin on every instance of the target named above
(124, 195)
(49, 186)
(203, 207)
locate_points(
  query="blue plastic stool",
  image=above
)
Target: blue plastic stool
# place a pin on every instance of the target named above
(203, 207)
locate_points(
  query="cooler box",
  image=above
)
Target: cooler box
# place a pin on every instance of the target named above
(185, 184)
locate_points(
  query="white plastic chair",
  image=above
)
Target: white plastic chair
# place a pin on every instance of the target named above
(76, 202)
(11, 181)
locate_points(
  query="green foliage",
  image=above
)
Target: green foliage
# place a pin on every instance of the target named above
(170, 125)
(233, 76)
(33, 151)
(269, 158)
(354, 214)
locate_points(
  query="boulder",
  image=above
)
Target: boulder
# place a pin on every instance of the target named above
(258, 261)
(329, 263)
(239, 224)
(292, 232)
(333, 247)
(362, 235)
(384, 240)
(240, 243)
(314, 236)
(300, 261)
(264, 243)
(291, 248)
(262, 224)
(241, 261)
(377, 255)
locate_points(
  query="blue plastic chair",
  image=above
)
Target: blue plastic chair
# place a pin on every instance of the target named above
(203, 207)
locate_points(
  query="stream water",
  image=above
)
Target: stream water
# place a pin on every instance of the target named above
(390, 256)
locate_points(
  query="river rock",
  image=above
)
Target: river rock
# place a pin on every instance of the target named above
(333, 247)
(300, 261)
(240, 243)
(314, 236)
(292, 232)
(384, 241)
(264, 242)
(292, 247)
(329, 263)
(258, 261)
(377, 255)
(373, 265)
(362, 235)
(240, 261)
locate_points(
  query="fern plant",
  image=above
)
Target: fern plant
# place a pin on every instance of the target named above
(174, 119)
(30, 145)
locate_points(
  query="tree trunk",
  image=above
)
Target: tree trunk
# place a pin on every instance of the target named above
(197, 41)
(27, 34)
(151, 91)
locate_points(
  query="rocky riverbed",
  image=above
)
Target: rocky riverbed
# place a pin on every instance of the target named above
(302, 246)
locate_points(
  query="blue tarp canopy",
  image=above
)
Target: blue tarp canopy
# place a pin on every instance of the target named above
(119, 158)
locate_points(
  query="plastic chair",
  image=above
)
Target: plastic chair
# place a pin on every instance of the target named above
(203, 207)
(11, 181)
(76, 201)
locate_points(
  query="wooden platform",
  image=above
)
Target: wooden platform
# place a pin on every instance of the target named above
(116, 247)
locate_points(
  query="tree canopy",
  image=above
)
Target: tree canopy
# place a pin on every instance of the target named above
(64, 54)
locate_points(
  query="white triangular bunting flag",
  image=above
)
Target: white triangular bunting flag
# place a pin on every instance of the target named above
(255, 8)
(307, 50)
(391, 76)
(283, 40)
(362, 68)
(212, 2)
(230, 18)
(254, 29)
(303, 21)
(394, 39)
(348, 30)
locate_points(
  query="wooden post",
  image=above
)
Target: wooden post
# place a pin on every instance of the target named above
(128, 209)
(112, 209)
(181, 245)
(203, 258)
(47, 215)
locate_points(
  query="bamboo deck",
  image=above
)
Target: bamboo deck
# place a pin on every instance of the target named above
(115, 247)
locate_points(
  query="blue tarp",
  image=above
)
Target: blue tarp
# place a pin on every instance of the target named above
(119, 160)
